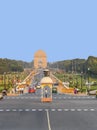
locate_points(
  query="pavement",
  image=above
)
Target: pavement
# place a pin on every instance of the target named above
(65, 112)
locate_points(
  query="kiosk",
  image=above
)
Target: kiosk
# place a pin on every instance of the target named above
(46, 89)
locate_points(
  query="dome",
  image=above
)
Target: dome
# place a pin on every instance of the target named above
(40, 53)
(46, 80)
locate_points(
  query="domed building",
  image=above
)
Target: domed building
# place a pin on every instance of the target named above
(40, 59)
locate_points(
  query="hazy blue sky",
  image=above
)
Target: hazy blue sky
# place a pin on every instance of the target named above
(64, 29)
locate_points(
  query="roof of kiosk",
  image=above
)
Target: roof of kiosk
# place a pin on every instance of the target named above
(46, 80)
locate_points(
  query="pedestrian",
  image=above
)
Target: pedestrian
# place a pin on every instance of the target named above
(46, 92)
(75, 91)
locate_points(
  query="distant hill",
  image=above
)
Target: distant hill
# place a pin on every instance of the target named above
(7, 65)
(77, 65)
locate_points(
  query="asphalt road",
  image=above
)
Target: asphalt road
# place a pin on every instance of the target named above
(66, 112)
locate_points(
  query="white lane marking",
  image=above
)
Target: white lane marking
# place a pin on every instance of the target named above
(33, 109)
(93, 97)
(14, 110)
(66, 109)
(8, 110)
(79, 109)
(85, 109)
(40, 109)
(92, 109)
(20, 110)
(59, 109)
(1, 109)
(72, 109)
(82, 97)
(48, 120)
(27, 109)
(53, 109)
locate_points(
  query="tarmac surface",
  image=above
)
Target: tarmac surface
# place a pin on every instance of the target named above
(65, 112)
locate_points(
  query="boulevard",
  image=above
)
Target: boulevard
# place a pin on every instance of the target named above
(65, 112)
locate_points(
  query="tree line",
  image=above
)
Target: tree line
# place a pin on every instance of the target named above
(8, 65)
(88, 65)
(77, 65)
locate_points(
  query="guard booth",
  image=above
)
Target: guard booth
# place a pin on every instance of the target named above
(46, 89)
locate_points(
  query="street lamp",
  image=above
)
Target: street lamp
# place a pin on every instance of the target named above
(88, 74)
(4, 79)
(88, 79)
(81, 81)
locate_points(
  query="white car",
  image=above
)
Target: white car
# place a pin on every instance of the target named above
(92, 92)
(38, 87)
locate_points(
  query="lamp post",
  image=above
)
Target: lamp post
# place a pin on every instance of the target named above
(81, 81)
(88, 80)
(88, 75)
(4, 79)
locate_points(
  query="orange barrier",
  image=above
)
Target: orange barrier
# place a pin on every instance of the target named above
(61, 89)
(46, 100)
(70, 90)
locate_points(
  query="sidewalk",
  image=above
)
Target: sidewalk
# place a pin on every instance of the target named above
(78, 94)
(12, 94)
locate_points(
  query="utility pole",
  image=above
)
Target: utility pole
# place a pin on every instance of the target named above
(4, 79)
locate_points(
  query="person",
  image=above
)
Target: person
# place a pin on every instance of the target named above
(4, 92)
(46, 92)
(75, 91)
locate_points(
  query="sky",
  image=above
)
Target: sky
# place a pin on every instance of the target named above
(64, 29)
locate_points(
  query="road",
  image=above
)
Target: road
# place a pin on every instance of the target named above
(66, 112)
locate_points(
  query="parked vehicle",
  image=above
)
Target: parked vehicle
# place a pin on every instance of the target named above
(54, 90)
(93, 92)
(32, 90)
(38, 87)
(96, 94)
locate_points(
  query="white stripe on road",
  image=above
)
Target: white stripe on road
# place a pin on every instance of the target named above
(1, 110)
(59, 109)
(53, 109)
(27, 109)
(33, 109)
(20, 110)
(82, 97)
(40, 109)
(72, 109)
(85, 109)
(49, 109)
(7, 109)
(14, 110)
(66, 109)
(79, 109)
(48, 120)
(92, 109)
